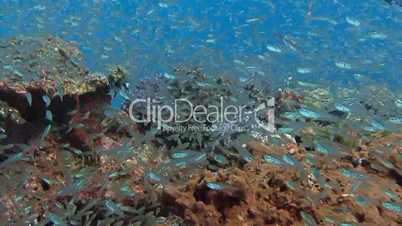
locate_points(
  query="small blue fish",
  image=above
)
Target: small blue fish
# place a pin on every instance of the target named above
(353, 174)
(49, 115)
(273, 159)
(245, 155)
(377, 125)
(391, 194)
(221, 159)
(47, 100)
(346, 224)
(362, 200)
(29, 98)
(153, 176)
(309, 113)
(12, 159)
(216, 185)
(180, 154)
(113, 207)
(393, 206)
(308, 219)
(329, 220)
(323, 148)
(285, 130)
(126, 189)
(48, 180)
(185, 159)
(374, 126)
(370, 129)
(355, 186)
(316, 173)
(75, 187)
(113, 174)
(289, 159)
(199, 157)
(342, 108)
(311, 159)
(291, 184)
(398, 103)
(57, 220)
(396, 120)
(290, 115)
(302, 70)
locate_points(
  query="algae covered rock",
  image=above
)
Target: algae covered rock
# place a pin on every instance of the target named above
(26, 60)
(44, 74)
(51, 64)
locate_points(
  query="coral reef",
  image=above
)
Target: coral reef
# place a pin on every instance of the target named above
(71, 155)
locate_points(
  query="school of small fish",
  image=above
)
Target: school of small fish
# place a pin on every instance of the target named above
(71, 155)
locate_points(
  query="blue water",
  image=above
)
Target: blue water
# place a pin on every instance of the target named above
(274, 39)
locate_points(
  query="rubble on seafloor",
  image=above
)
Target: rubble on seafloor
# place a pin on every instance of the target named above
(278, 193)
(71, 155)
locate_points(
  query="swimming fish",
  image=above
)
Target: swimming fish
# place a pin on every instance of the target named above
(304, 70)
(274, 49)
(309, 113)
(342, 108)
(352, 21)
(343, 65)
(274, 159)
(47, 100)
(216, 185)
(396, 120)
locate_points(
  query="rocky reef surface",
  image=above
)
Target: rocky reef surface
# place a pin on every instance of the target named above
(71, 154)
(280, 194)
